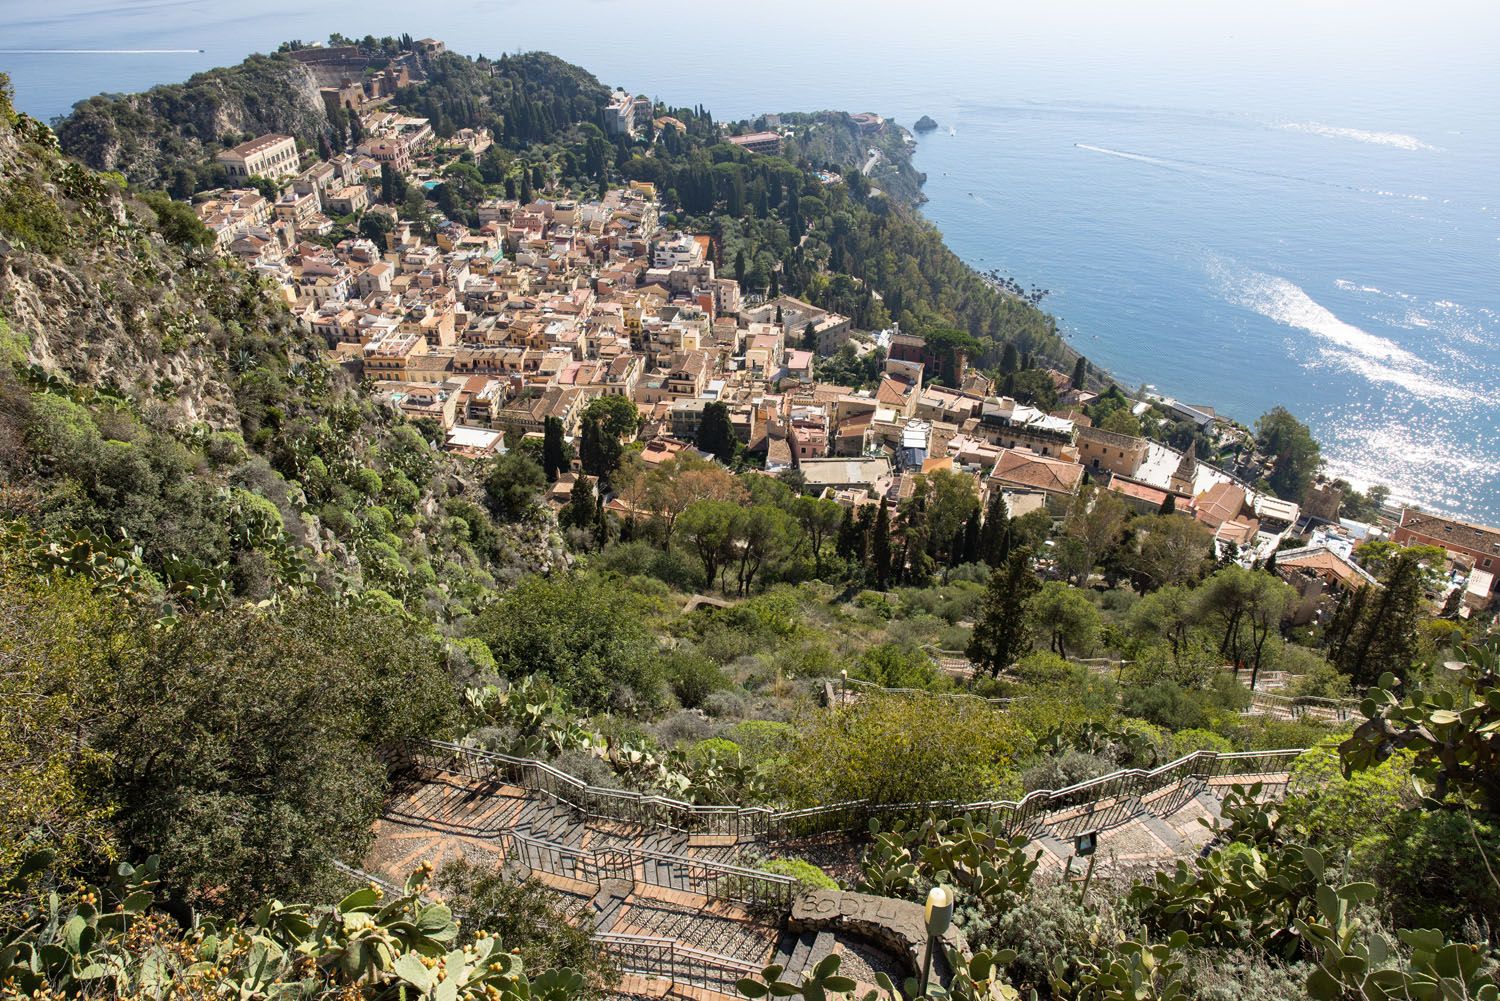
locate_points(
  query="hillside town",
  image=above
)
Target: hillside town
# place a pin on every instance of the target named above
(487, 333)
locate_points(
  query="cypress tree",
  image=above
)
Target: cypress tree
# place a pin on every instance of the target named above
(847, 544)
(1168, 506)
(972, 531)
(554, 459)
(580, 510)
(864, 526)
(995, 531)
(601, 522)
(716, 433)
(1080, 372)
(1002, 631)
(1382, 630)
(881, 546)
(1009, 360)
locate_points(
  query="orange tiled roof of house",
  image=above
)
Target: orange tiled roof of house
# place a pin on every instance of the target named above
(1019, 468)
(1220, 503)
(1325, 563)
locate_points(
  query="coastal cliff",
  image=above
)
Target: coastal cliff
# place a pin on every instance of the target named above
(148, 137)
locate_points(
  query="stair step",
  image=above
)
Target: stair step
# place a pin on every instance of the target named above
(822, 947)
(785, 946)
(606, 904)
(1163, 832)
(803, 951)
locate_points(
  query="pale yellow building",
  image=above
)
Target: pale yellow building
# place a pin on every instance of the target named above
(270, 156)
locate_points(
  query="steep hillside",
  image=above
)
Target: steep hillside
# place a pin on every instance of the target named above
(165, 412)
(149, 137)
(100, 295)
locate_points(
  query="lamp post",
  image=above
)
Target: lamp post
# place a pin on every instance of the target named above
(1084, 844)
(843, 686)
(937, 915)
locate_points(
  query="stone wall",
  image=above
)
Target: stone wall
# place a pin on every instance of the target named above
(896, 926)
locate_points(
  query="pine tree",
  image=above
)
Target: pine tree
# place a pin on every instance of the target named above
(881, 546)
(1002, 631)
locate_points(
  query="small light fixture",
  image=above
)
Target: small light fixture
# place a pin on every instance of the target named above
(937, 915)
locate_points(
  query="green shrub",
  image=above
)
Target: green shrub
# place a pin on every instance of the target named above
(874, 601)
(898, 749)
(806, 874)
(1168, 705)
(762, 739)
(580, 630)
(1042, 667)
(1188, 741)
(692, 677)
(1431, 872)
(1332, 811)
(890, 665)
(706, 752)
(1048, 924)
(1065, 769)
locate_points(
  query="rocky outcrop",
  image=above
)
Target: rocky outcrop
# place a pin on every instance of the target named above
(149, 136)
(925, 124)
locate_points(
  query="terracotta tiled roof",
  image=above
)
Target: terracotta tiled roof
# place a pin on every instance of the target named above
(1220, 503)
(1451, 532)
(1038, 472)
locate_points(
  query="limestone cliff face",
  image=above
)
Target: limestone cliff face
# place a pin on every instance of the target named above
(149, 136)
(97, 295)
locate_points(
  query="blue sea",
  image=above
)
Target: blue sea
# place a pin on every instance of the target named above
(1290, 203)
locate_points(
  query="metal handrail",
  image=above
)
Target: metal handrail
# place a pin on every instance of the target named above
(1028, 815)
(1299, 705)
(716, 880)
(663, 957)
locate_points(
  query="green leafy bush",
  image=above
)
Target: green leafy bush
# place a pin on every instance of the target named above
(692, 677)
(1331, 812)
(1435, 869)
(890, 665)
(805, 873)
(894, 749)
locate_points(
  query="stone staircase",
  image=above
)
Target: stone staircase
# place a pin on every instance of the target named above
(441, 817)
(651, 892)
